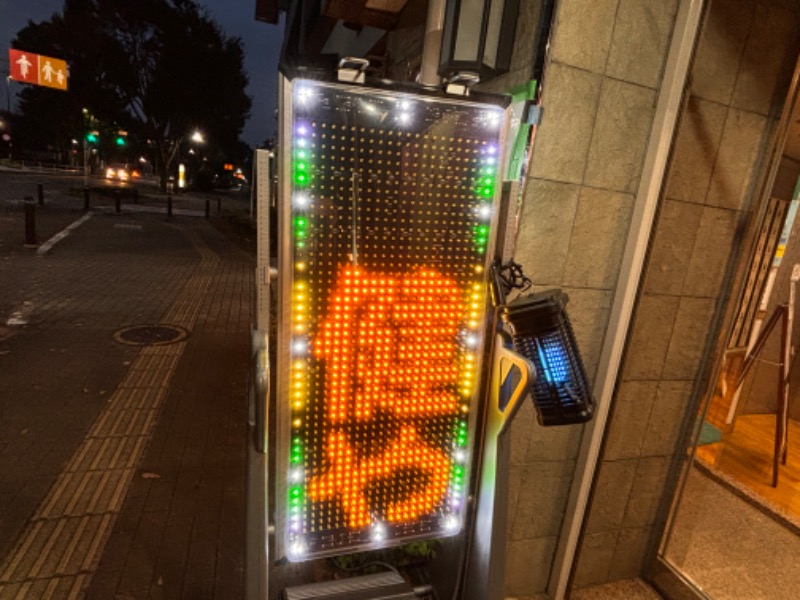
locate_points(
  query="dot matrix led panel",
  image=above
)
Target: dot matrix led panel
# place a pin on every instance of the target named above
(391, 204)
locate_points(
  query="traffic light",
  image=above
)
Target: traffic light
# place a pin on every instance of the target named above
(91, 137)
(122, 138)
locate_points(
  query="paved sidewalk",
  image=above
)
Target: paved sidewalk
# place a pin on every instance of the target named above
(122, 466)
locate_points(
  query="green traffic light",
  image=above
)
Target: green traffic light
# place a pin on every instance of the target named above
(90, 137)
(120, 141)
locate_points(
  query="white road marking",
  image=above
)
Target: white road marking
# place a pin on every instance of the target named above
(48, 245)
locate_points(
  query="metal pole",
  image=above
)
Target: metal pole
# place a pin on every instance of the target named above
(30, 222)
(86, 164)
(86, 199)
(432, 45)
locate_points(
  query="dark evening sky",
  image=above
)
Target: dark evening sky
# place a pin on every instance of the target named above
(262, 44)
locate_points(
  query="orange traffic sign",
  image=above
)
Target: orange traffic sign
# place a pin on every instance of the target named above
(29, 67)
(53, 72)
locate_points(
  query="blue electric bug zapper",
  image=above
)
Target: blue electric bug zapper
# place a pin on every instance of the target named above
(543, 334)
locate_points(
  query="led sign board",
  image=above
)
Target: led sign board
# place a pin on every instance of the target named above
(388, 205)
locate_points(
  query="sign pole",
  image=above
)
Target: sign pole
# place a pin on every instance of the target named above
(85, 163)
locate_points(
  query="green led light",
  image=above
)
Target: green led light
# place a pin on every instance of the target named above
(300, 222)
(487, 181)
(301, 166)
(461, 433)
(301, 154)
(300, 178)
(300, 234)
(487, 192)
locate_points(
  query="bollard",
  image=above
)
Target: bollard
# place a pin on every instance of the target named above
(208, 208)
(169, 206)
(86, 199)
(40, 193)
(30, 222)
(136, 195)
(219, 204)
(117, 201)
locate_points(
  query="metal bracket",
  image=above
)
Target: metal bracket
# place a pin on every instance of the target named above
(352, 69)
(460, 83)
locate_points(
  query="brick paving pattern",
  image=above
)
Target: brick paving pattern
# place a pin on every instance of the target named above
(123, 466)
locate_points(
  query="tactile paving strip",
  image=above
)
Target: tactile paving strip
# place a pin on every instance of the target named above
(62, 544)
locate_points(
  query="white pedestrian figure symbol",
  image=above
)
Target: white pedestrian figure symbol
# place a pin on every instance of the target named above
(24, 65)
(60, 77)
(48, 71)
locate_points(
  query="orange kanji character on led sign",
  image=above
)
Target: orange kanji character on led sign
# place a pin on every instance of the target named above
(348, 478)
(390, 343)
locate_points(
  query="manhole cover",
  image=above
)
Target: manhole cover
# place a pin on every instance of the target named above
(150, 335)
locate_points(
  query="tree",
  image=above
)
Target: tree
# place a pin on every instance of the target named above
(159, 68)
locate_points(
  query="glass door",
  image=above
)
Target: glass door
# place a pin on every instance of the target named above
(733, 527)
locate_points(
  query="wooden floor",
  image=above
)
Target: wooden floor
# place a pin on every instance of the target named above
(745, 454)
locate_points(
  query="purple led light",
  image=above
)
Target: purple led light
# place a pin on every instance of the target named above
(301, 129)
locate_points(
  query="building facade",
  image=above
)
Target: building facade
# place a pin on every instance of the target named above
(664, 151)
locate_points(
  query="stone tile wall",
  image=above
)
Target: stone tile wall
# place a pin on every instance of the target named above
(738, 80)
(599, 93)
(600, 89)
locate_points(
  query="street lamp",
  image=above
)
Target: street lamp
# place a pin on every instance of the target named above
(197, 137)
(477, 39)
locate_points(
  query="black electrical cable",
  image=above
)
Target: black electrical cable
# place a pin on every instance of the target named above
(373, 563)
